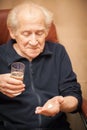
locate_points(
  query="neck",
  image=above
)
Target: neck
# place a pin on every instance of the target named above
(15, 46)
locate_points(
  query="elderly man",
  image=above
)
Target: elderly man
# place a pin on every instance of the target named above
(49, 88)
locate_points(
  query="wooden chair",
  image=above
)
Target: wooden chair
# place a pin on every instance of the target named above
(83, 113)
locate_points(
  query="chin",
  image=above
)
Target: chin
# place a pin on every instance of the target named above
(33, 56)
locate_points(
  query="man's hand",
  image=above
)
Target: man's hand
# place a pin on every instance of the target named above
(51, 107)
(57, 104)
(10, 86)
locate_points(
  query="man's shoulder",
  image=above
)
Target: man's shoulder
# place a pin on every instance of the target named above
(57, 46)
(54, 43)
(4, 49)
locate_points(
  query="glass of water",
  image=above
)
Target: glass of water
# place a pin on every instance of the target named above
(17, 71)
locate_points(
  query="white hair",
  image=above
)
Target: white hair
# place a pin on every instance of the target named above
(12, 20)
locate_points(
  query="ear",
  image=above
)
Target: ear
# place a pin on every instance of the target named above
(47, 32)
(12, 33)
(48, 29)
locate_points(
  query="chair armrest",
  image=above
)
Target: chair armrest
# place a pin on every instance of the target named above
(84, 108)
(83, 113)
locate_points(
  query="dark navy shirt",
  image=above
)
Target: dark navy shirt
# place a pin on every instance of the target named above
(48, 75)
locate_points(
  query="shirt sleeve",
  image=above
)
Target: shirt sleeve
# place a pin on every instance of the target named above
(68, 80)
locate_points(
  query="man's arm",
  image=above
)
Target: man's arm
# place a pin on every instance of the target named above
(58, 104)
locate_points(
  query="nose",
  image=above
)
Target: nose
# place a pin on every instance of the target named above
(33, 40)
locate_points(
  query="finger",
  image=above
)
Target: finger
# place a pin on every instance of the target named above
(13, 92)
(13, 87)
(9, 95)
(14, 81)
(46, 112)
(38, 110)
(60, 99)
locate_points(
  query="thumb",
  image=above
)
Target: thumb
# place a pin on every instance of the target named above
(60, 99)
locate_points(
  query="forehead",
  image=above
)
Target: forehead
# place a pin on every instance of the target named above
(31, 21)
(30, 13)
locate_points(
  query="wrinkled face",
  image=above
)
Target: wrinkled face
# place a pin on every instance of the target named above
(30, 36)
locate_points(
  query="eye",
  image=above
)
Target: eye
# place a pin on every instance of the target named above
(39, 33)
(26, 33)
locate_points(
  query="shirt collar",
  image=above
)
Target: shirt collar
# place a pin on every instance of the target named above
(12, 56)
(47, 49)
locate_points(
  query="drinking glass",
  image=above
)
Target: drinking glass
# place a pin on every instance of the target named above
(17, 71)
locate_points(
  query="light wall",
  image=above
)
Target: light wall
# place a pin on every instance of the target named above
(70, 17)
